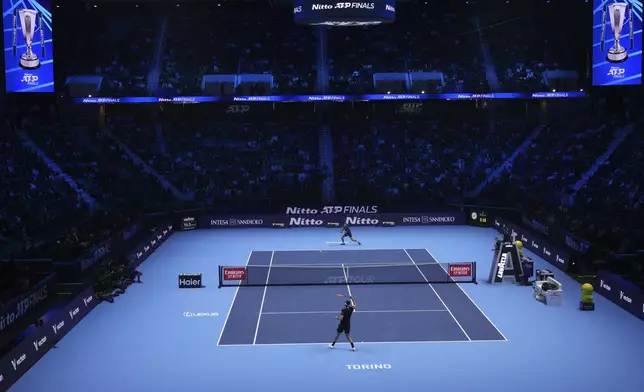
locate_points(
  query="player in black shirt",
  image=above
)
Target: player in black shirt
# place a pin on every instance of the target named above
(346, 232)
(345, 323)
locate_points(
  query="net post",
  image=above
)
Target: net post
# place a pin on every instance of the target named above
(220, 281)
(474, 273)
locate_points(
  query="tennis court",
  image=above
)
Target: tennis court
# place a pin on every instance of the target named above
(281, 314)
(160, 338)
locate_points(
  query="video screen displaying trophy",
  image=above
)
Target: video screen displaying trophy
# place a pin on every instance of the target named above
(29, 19)
(617, 17)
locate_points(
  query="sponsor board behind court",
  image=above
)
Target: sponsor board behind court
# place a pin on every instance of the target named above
(536, 244)
(20, 306)
(621, 292)
(35, 346)
(149, 245)
(19, 360)
(323, 220)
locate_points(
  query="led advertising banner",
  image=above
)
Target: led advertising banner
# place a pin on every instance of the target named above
(328, 98)
(28, 46)
(617, 42)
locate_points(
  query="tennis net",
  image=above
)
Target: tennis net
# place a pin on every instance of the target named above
(343, 274)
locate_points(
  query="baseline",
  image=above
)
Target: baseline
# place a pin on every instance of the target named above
(362, 311)
(326, 344)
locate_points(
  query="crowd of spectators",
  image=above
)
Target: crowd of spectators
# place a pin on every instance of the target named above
(117, 44)
(160, 157)
(229, 160)
(420, 156)
(526, 41)
(261, 156)
(34, 200)
(546, 181)
(237, 38)
(158, 51)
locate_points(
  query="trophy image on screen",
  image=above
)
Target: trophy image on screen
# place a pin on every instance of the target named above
(28, 20)
(617, 16)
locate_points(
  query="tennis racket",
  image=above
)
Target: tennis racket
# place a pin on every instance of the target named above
(341, 295)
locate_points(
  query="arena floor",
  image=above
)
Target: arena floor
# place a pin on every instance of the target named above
(441, 337)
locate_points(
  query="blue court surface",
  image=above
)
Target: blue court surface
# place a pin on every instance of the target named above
(387, 313)
(439, 337)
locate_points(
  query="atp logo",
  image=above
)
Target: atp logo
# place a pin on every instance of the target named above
(616, 72)
(30, 79)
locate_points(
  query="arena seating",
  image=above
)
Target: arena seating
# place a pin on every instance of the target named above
(157, 50)
(117, 43)
(217, 156)
(612, 197)
(527, 40)
(255, 39)
(231, 160)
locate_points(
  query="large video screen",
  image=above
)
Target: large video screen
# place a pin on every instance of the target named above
(334, 13)
(617, 42)
(28, 46)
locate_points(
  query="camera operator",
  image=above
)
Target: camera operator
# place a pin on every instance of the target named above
(115, 278)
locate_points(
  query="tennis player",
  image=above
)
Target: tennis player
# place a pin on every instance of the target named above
(346, 232)
(345, 322)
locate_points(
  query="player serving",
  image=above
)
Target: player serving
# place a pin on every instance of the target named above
(345, 322)
(346, 232)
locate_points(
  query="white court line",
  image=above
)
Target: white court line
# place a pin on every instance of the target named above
(250, 255)
(439, 297)
(364, 311)
(362, 248)
(471, 300)
(326, 344)
(346, 279)
(261, 307)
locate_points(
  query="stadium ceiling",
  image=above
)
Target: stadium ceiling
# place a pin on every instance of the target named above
(440, 4)
(290, 2)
